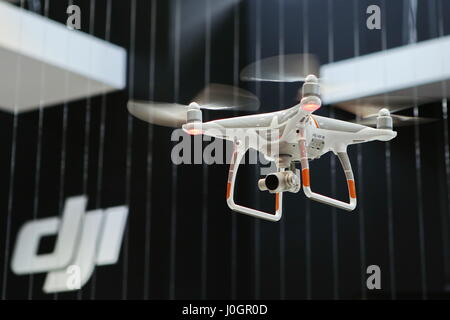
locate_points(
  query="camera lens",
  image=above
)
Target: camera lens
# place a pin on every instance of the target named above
(272, 182)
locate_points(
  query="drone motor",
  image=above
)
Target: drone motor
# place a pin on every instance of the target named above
(384, 119)
(194, 119)
(311, 86)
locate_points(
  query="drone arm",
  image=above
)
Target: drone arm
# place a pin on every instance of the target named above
(345, 162)
(236, 158)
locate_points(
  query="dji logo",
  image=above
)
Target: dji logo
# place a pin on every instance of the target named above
(84, 240)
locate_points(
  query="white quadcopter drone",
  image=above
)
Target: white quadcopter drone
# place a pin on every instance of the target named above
(301, 136)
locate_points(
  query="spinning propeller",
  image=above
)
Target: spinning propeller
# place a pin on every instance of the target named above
(213, 97)
(385, 120)
(297, 67)
(287, 68)
(397, 120)
(283, 68)
(367, 111)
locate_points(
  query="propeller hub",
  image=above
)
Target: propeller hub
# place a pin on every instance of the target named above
(194, 105)
(384, 113)
(311, 79)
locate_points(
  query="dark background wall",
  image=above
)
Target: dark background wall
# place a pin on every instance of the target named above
(182, 241)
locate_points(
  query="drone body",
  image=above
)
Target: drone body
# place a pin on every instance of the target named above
(288, 137)
(297, 136)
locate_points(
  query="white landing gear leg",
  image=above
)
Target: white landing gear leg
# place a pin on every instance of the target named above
(343, 157)
(238, 154)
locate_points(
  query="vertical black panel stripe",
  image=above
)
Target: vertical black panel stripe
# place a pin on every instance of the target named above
(11, 173)
(204, 248)
(129, 144)
(282, 222)
(360, 176)
(391, 245)
(257, 223)
(423, 267)
(173, 227)
(334, 225)
(446, 213)
(37, 177)
(87, 119)
(148, 204)
(101, 152)
(65, 120)
(309, 283)
(234, 224)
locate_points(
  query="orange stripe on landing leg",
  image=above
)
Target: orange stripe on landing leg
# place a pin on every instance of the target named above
(305, 177)
(315, 122)
(277, 201)
(228, 190)
(351, 188)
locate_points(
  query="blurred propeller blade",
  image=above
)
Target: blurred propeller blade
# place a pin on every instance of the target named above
(159, 113)
(397, 120)
(224, 97)
(367, 107)
(283, 68)
(213, 97)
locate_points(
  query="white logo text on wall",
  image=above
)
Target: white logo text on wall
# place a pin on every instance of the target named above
(84, 240)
